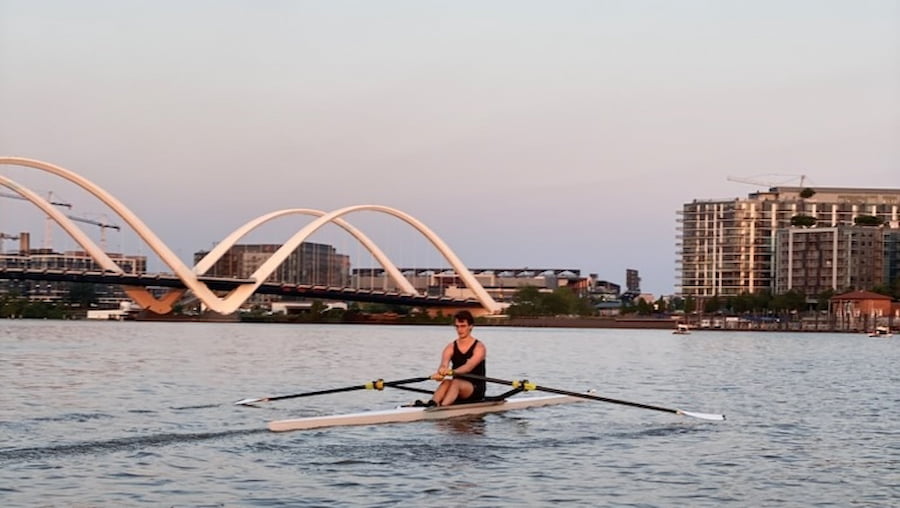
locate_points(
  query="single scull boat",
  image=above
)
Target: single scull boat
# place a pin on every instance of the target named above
(497, 403)
(414, 414)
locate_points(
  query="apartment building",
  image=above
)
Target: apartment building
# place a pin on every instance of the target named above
(310, 263)
(892, 255)
(727, 247)
(815, 260)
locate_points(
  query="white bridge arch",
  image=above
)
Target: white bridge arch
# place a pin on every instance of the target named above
(233, 300)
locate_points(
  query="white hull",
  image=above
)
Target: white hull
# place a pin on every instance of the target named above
(414, 414)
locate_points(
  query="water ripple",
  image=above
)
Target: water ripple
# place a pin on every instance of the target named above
(121, 414)
(136, 444)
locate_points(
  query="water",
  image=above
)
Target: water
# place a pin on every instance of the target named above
(124, 414)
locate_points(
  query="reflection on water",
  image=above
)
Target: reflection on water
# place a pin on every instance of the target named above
(470, 424)
(109, 414)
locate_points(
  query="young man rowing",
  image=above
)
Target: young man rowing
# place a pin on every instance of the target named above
(465, 355)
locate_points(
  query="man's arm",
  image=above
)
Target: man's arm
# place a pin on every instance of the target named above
(444, 367)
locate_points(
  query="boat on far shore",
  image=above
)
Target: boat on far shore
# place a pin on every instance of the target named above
(881, 332)
(681, 329)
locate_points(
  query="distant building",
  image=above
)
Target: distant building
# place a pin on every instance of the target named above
(727, 247)
(632, 281)
(105, 295)
(311, 263)
(604, 290)
(892, 256)
(501, 283)
(815, 260)
(608, 308)
(632, 285)
(862, 310)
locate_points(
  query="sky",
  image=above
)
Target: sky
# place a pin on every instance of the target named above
(556, 134)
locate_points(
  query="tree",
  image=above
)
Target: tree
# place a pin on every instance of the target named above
(789, 301)
(762, 301)
(744, 302)
(559, 302)
(804, 221)
(82, 294)
(42, 310)
(807, 193)
(883, 290)
(824, 299)
(867, 220)
(530, 301)
(661, 305)
(712, 305)
(12, 305)
(644, 308)
(525, 302)
(575, 304)
(690, 305)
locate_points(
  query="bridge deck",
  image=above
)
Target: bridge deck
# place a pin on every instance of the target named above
(228, 284)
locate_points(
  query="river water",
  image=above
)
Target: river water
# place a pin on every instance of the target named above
(133, 413)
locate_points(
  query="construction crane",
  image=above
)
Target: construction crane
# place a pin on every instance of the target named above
(769, 180)
(48, 223)
(54, 203)
(4, 236)
(103, 227)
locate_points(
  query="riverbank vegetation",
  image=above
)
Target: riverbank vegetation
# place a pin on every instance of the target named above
(15, 305)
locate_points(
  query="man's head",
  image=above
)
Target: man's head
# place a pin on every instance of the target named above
(463, 322)
(465, 316)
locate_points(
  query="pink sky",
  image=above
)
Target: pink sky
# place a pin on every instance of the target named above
(525, 133)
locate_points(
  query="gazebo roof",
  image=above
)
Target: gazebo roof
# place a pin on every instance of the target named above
(861, 295)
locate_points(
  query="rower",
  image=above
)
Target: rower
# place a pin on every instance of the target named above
(464, 355)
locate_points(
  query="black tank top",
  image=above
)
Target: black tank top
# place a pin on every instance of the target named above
(459, 359)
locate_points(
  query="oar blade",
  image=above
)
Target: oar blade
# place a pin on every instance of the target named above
(703, 416)
(248, 402)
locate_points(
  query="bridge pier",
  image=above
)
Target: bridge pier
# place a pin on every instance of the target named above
(477, 312)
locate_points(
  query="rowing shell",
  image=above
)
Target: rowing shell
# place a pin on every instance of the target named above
(415, 414)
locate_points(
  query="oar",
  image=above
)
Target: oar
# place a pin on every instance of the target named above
(531, 386)
(413, 389)
(371, 385)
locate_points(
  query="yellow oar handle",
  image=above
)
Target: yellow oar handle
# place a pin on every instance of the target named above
(378, 384)
(524, 384)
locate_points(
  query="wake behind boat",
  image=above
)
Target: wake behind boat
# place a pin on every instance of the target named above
(414, 413)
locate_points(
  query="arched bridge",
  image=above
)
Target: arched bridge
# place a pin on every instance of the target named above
(237, 291)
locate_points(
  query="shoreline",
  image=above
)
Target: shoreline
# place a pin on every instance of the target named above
(545, 322)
